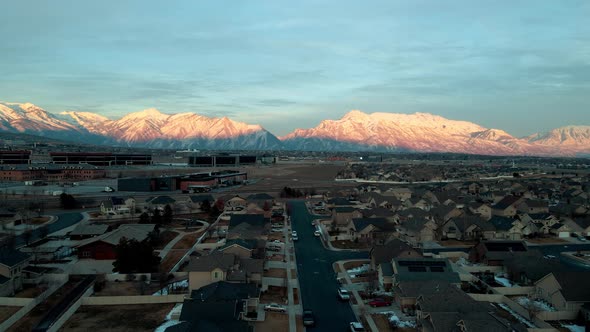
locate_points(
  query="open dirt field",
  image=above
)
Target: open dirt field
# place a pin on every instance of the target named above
(119, 288)
(275, 178)
(118, 318)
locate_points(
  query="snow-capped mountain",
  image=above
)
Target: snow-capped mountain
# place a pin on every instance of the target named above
(567, 136)
(149, 128)
(429, 133)
(355, 131)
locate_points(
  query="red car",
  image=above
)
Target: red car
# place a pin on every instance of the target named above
(379, 303)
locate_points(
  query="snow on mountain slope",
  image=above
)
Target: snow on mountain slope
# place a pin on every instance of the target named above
(147, 128)
(426, 133)
(566, 136)
(421, 132)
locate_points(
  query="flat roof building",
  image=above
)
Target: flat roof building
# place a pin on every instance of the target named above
(100, 158)
(15, 157)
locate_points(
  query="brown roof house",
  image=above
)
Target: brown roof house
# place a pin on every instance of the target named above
(416, 231)
(220, 266)
(507, 207)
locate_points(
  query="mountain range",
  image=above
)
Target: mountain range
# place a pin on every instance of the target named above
(355, 131)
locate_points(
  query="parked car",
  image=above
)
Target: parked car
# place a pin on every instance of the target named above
(343, 294)
(308, 318)
(317, 233)
(275, 307)
(276, 230)
(379, 303)
(294, 233)
(295, 237)
(356, 327)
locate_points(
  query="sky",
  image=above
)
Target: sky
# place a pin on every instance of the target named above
(521, 66)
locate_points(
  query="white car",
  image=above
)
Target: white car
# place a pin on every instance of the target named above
(275, 307)
(295, 237)
(294, 233)
(356, 327)
(317, 233)
(343, 294)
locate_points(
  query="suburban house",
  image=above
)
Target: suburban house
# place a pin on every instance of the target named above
(527, 267)
(12, 263)
(220, 266)
(481, 209)
(565, 291)
(103, 247)
(117, 205)
(244, 248)
(342, 216)
(507, 207)
(196, 201)
(467, 228)
(235, 203)
(406, 293)
(401, 194)
(450, 309)
(371, 230)
(220, 306)
(533, 206)
(416, 231)
(159, 202)
(494, 253)
(248, 226)
(414, 269)
(86, 231)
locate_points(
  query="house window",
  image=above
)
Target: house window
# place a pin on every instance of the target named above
(85, 253)
(215, 275)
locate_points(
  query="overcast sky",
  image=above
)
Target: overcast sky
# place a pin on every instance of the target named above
(522, 66)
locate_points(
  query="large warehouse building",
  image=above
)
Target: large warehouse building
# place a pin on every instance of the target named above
(192, 183)
(100, 158)
(15, 157)
(228, 160)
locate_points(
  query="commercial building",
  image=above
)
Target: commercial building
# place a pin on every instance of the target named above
(50, 173)
(226, 160)
(100, 158)
(198, 182)
(15, 157)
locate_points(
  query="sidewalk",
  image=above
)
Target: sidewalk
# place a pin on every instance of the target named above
(360, 306)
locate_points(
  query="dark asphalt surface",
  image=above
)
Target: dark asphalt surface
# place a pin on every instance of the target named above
(317, 279)
(64, 220)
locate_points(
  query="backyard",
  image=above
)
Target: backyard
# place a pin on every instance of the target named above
(118, 318)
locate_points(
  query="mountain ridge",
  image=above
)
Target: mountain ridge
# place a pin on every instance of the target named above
(355, 131)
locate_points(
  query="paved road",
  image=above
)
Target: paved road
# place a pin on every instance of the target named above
(317, 278)
(64, 220)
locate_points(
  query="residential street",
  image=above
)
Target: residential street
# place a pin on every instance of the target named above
(64, 220)
(317, 278)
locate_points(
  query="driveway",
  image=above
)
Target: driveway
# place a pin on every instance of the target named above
(317, 279)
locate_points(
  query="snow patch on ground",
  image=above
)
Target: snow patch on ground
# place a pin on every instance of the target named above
(502, 280)
(393, 319)
(574, 328)
(381, 293)
(540, 305)
(169, 321)
(464, 262)
(183, 284)
(516, 315)
(358, 270)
